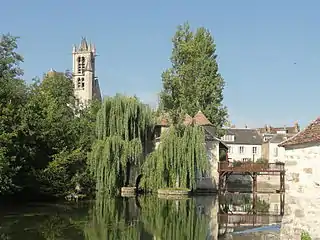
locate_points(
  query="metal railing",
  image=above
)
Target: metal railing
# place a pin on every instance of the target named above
(251, 167)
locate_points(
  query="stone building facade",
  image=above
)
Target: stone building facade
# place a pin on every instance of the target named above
(302, 202)
(244, 144)
(86, 84)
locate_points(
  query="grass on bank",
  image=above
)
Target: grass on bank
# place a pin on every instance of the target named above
(305, 236)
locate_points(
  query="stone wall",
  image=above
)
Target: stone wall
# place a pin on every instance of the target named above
(302, 199)
(210, 182)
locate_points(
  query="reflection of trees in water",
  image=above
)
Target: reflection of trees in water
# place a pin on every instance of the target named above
(168, 219)
(110, 219)
(165, 219)
(52, 227)
(243, 203)
(50, 222)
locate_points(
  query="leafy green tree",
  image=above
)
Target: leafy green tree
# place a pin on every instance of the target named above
(193, 82)
(57, 136)
(44, 137)
(12, 99)
(68, 133)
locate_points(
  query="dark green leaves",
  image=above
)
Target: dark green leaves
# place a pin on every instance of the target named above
(193, 82)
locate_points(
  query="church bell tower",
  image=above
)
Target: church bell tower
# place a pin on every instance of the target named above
(86, 85)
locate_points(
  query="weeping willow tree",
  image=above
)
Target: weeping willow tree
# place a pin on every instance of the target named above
(110, 219)
(172, 219)
(178, 161)
(123, 129)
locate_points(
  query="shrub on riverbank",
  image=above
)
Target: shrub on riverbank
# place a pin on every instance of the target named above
(305, 236)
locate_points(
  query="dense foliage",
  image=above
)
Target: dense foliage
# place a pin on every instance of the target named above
(193, 82)
(123, 128)
(44, 138)
(179, 158)
(50, 147)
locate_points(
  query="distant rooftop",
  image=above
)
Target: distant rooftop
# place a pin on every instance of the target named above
(198, 119)
(246, 136)
(311, 134)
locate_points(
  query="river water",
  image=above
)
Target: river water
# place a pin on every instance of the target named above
(129, 219)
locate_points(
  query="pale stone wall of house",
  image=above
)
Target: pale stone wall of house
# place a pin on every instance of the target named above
(276, 153)
(210, 182)
(265, 150)
(302, 200)
(248, 152)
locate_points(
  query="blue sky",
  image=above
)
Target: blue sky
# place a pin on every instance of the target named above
(268, 50)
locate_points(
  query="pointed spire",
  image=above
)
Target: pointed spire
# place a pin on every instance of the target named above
(93, 48)
(74, 49)
(83, 45)
(201, 119)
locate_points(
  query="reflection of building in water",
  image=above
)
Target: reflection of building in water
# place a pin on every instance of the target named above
(267, 202)
(209, 206)
(236, 212)
(273, 199)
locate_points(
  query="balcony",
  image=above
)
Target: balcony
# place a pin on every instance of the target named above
(242, 167)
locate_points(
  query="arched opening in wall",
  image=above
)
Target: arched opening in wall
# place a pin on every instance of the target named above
(138, 180)
(223, 155)
(223, 152)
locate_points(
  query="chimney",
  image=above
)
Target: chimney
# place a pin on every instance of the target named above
(296, 127)
(268, 128)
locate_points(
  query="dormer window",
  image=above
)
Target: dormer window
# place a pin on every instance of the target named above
(228, 138)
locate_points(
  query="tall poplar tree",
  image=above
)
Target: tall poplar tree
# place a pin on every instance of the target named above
(193, 82)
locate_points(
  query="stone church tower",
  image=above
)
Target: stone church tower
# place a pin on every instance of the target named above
(85, 82)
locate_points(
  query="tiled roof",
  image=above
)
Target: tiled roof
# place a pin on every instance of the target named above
(244, 136)
(310, 134)
(201, 119)
(274, 130)
(187, 120)
(278, 138)
(163, 120)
